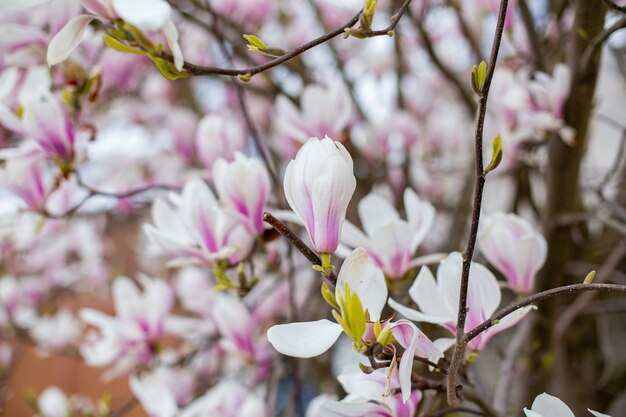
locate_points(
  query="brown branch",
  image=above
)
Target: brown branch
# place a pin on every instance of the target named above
(459, 348)
(535, 44)
(612, 5)
(537, 298)
(597, 40)
(297, 243)
(198, 70)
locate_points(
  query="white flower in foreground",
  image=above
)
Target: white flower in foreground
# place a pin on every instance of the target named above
(511, 245)
(546, 405)
(359, 299)
(438, 301)
(390, 240)
(319, 184)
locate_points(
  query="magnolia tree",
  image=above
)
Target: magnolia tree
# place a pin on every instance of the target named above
(315, 207)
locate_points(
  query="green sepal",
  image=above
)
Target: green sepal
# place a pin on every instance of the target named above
(329, 296)
(167, 69)
(479, 74)
(496, 154)
(113, 43)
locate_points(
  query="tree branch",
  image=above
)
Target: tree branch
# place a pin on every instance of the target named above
(297, 243)
(459, 348)
(536, 298)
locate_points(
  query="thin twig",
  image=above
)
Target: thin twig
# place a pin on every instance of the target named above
(454, 410)
(535, 43)
(612, 5)
(536, 298)
(597, 41)
(459, 348)
(297, 243)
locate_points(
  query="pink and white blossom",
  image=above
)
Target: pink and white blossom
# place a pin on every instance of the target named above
(512, 245)
(195, 227)
(219, 136)
(438, 301)
(244, 186)
(319, 184)
(48, 123)
(390, 240)
(368, 395)
(25, 175)
(325, 111)
(130, 338)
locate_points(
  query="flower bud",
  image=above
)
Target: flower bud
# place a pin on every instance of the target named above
(319, 184)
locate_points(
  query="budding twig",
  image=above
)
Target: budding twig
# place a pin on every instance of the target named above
(461, 343)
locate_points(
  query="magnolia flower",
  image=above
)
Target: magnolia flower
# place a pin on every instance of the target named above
(360, 296)
(549, 95)
(325, 112)
(368, 395)
(47, 121)
(130, 337)
(308, 339)
(196, 228)
(546, 405)
(512, 246)
(219, 136)
(244, 186)
(24, 175)
(438, 301)
(149, 15)
(319, 184)
(390, 241)
(237, 328)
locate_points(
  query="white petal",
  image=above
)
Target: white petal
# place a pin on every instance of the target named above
(374, 211)
(149, 15)
(68, 38)
(366, 281)
(21, 4)
(427, 295)
(549, 406)
(415, 315)
(304, 340)
(598, 414)
(171, 35)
